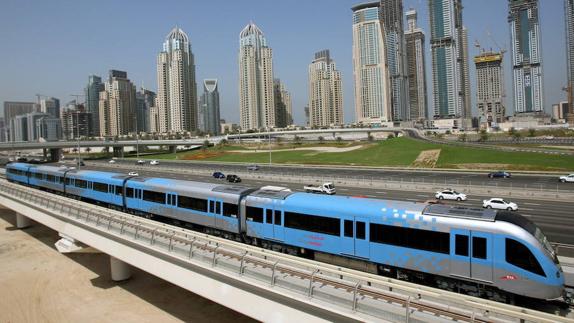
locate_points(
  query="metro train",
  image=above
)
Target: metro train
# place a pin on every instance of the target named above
(485, 253)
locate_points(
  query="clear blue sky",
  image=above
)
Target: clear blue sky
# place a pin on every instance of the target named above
(50, 47)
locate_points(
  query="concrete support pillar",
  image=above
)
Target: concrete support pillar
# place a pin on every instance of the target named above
(172, 149)
(119, 152)
(45, 153)
(22, 221)
(55, 154)
(120, 270)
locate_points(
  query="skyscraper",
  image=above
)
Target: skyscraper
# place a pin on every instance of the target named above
(117, 105)
(50, 106)
(92, 93)
(490, 87)
(325, 92)
(256, 98)
(415, 49)
(449, 59)
(12, 110)
(209, 107)
(372, 83)
(569, 22)
(145, 99)
(391, 16)
(526, 56)
(283, 104)
(177, 90)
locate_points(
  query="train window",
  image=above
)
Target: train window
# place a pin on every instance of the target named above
(269, 216)
(58, 179)
(155, 197)
(277, 217)
(348, 229)
(520, 256)
(80, 183)
(68, 181)
(254, 214)
(192, 203)
(479, 247)
(39, 176)
(51, 178)
(434, 241)
(360, 230)
(461, 245)
(119, 190)
(129, 192)
(217, 207)
(100, 187)
(211, 206)
(313, 223)
(230, 210)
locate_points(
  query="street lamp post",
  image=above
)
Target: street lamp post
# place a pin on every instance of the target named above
(269, 145)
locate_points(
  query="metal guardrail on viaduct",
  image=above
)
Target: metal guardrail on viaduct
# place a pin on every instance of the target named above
(282, 287)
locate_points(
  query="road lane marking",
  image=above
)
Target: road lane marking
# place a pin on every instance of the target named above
(343, 189)
(425, 195)
(526, 215)
(532, 204)
(381, 192)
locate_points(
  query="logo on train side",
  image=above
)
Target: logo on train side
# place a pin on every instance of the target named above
(509, 277)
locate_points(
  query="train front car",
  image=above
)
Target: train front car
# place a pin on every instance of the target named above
(527, 262)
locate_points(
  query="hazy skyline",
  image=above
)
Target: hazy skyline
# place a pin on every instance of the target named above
(50, 48)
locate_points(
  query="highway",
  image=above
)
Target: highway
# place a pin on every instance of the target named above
(450, 178)
(553, 217)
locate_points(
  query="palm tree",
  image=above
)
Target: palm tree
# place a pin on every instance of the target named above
(321, 140)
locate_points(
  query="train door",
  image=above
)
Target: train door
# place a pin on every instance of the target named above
(460, 253)
(215, 212)
(348, 237)
(481, 256)
(362, 246)
(268, 223)
(355, 238)
(278, 231)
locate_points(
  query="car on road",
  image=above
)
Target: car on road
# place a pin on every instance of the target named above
(140, 162)
(233, 178)
(154, 162)
(218, 175)
(450, 194)
(567, 178)
(499, 174)
(499, 204)
(253, 167)
(112, 161)
(133, 174)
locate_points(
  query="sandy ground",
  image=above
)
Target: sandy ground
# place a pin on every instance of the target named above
(427, 158)
(38, 284)
(319, 149)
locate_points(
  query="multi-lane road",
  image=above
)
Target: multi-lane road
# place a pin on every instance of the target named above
(555, 218)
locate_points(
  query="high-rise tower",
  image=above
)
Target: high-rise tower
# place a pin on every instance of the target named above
(569, 22)
(371, 74)
(92, 93)
(526, 56)
(256, 97)
(283, 104)
(209, 107)
(490, 87)
(449, 60)
(117, 105)
(325, 91)
(416, 68)
(391, 16)
(177, 90)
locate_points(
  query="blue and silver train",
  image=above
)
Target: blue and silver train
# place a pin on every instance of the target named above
(486, 253)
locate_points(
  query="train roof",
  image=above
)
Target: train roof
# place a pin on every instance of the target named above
(460, 212)
(177, 185)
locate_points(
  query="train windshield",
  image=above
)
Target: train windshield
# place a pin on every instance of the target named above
(530, 227)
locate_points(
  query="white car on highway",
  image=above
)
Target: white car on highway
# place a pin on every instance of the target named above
(568, 178)
(450, 194)
(500, 204)
(133, 174)
(154, 162)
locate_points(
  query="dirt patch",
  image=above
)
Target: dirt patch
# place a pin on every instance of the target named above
(427, 158)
